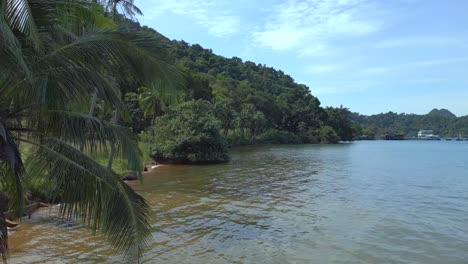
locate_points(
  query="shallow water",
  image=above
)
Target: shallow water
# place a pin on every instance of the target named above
(365, 202)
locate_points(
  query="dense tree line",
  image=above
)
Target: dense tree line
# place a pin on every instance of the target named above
(442, 122)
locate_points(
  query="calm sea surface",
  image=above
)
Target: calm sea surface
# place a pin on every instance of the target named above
(364, 202)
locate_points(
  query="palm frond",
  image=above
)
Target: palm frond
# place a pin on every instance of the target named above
(157, 96)
(93, 194)
(10, 49)
(93, 135)
(19, 17)
(11, 164)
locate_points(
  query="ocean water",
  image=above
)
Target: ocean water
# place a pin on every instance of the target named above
(363, 202)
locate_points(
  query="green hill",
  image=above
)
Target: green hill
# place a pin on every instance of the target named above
(249, 98)
(442, 113)
(442, 121)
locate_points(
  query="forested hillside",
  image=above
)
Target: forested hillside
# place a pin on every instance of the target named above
(252, 103)
(442, 121)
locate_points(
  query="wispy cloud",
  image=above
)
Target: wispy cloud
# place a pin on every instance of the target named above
(430, 80)
(421, 41)
(322, 69)
(412, 65)
(340, 88)
(377, 70)
(213, 15)
(314, 51)
(438, 62)
(308, 26)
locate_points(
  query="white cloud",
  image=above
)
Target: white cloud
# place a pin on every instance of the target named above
(306, 25)
(213, 15)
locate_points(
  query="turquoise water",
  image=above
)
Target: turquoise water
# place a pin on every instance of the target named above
(364, 202)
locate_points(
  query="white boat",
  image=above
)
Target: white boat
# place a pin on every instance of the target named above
(427, 135)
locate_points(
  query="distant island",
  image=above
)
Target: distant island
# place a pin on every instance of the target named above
(441, 121)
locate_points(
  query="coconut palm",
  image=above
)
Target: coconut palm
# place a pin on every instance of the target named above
(54, 56)
(155, 98)
(128, 10)
(127, 7)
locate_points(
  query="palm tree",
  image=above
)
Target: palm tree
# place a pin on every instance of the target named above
(154, 99)
(55, 55)
(130, 10)
(225, 113)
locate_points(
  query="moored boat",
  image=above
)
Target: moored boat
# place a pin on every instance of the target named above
(427, 135)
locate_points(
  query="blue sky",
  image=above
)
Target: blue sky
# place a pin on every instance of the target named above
(369, 55)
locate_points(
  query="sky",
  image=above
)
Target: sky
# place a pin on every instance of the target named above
(371, 56)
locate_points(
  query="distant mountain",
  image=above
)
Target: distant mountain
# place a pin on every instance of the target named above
(442, 112)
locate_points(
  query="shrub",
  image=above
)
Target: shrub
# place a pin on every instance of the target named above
(328, 135)
(310, 136)
(188, 134)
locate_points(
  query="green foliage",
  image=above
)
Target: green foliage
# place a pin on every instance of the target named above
(155, 98)
(198, 87)
(136, 119)
(279, 137)
(328, 135)
(188, 133)
(339, 120)
(311, 136)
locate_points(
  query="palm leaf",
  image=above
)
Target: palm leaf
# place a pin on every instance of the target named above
(19, 17)
(94, 195)
(10, 49)
(93, 135)
(11, 164)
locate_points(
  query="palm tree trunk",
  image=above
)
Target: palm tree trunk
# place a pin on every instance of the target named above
(91, 112)
(3, 227)
(116, 115)
(93, 104)
(112, 146)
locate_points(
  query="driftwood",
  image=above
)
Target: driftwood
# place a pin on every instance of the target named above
(28, 210)
(10, 224)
